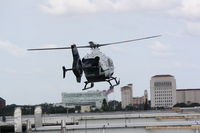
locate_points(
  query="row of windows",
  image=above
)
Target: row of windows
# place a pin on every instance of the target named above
(163, 105)
(163, 98)
(161, 89)
(163, 101)
(157, 95)
(162, 83)
(163, 92)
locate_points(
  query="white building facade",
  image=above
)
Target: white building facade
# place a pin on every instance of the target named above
(126, 95)
(92, 98)
(163, 91)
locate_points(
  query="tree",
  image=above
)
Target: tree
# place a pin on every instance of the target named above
(194, 104)
(180, 105)
(104, 105)
(78, 109)
(146, 105)
(129, 107)
(114, 105)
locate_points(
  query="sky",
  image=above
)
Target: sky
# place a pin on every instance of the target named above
(36, 77)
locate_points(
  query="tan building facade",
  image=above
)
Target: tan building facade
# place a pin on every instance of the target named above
(126, 95)
(163, 91)
(128, 99)
(85, 109)
(188, 96)
(137, 101)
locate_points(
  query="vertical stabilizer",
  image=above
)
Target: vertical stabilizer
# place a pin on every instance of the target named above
(77, 64)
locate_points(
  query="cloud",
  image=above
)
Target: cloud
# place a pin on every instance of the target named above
(59, 7)
(193, 28)
(160, 49)
(184, 8)
(50, 46)
(183, 65)
(118, 50)
(188, 9)
(11, 48)
(144, 5)
(189, 12)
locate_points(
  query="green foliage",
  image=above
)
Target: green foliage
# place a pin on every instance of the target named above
(105, 105)
(29, 109)
(180, 105)
(50, 109)
(78, 109)
(146, 105)
(114, 105)
(129, 107)
(186, 105)
(8, 110)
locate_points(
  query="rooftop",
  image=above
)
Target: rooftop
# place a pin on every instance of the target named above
(127, 86)
(2, 99)
(164, 75)
(198, 89)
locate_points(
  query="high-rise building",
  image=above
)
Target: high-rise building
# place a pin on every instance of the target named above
(2, 103)
(126, 95)
(163, 91)
(188, 96)
(92, 98)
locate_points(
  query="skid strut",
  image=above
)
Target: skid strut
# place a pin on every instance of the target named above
(86, 83)
(116, 82)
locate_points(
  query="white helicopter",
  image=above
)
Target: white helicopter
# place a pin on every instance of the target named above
(96, 66)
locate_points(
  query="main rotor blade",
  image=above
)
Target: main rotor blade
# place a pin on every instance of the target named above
(59, 48)
(49, 48)
(128, 40)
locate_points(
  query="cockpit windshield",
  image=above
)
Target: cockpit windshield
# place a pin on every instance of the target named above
(91, 66)
(91, 62)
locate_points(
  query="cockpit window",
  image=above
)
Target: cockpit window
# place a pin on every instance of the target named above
(91, 66)
(91, 61)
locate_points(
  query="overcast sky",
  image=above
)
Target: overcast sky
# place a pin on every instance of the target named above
(36, 77)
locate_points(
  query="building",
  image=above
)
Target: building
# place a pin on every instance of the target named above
(163, 91)
(2, 103)
(129, 100)
(138, 101)
(85, 109)
(126, 95)
(188, 96)
(92, 98)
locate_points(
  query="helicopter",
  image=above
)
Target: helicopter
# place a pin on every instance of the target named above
(96, 66)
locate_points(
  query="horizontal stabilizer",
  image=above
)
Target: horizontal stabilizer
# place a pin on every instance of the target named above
(65, 70)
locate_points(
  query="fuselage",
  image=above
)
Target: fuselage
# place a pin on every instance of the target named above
(97, 66)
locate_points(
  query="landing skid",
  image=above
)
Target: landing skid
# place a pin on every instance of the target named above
(108, 80)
